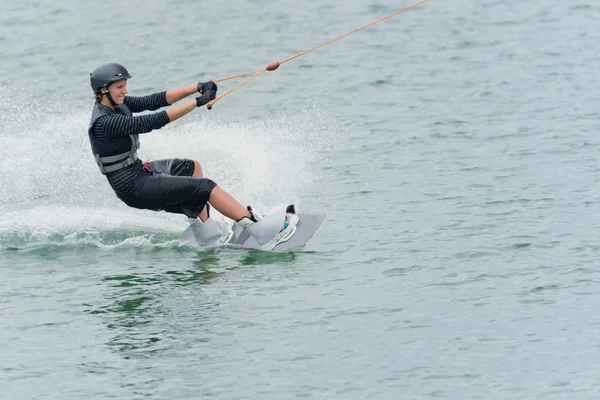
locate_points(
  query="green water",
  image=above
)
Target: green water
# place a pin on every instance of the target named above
(454, 148)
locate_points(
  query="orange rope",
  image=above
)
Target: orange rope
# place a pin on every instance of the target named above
(260, 71)
(356, 30)
(236, 76)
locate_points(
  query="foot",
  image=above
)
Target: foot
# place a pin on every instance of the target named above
(226, 231)
(287, 230)
(194, 221)
(254, 217)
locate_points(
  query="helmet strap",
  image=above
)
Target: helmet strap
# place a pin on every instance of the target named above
(111, 100)
(109, 97)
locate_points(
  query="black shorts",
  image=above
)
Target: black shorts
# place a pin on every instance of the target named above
(168, 185)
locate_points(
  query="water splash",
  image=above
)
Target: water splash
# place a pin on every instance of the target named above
(51, 186)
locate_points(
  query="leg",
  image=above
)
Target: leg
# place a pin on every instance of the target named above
(227, 205)
(183, 195)
(181, 167)
(198, 174)
(197, 170)
(221, 201)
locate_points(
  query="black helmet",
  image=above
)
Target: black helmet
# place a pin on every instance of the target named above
(106, 74)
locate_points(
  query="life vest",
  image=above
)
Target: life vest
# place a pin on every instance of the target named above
(121, 151)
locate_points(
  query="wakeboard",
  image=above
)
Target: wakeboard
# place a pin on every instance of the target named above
(262, 235)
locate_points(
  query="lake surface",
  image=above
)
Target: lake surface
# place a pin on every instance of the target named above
(454, 148)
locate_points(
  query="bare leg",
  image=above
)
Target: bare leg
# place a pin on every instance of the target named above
(198, 174)
(227, 205)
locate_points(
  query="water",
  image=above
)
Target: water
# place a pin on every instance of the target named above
(454, 148)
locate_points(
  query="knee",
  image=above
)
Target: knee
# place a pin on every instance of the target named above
(197, 170)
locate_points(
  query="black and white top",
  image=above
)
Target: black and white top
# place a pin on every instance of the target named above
(111, 126)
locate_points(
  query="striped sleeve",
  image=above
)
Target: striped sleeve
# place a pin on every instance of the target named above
(114, 125)
(147, 103)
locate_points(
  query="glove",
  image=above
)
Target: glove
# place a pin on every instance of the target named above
(206, 97)
(203, 87)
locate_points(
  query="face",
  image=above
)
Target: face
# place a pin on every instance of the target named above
(118, 90)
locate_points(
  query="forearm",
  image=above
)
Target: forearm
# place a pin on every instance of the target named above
(121, 125)
(175, 95)
(179, 111)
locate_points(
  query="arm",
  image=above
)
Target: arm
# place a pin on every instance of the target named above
(121, 125)
(146, 103)
(162, 99)
(116, 125)
(174, 95)
(180, 110)
(208, 90)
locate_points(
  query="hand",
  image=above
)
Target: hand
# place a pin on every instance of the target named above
(203, 87)
(206, 97)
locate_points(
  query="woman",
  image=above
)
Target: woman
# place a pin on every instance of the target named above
(172, 185)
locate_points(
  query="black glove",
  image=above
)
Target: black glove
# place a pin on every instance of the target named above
(206, 97)
(204, 87)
